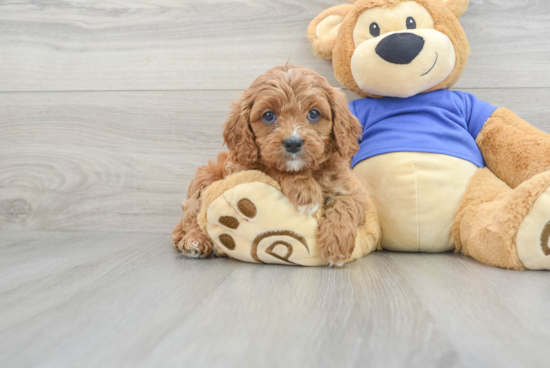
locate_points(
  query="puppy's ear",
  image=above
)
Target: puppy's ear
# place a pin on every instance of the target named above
(458, 7)
(238, 135)
(322, 31)
(345, 126)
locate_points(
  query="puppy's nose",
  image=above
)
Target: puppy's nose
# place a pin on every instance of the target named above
(400, 48)
(293, 145)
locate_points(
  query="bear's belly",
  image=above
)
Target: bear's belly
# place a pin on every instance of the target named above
(416, 196)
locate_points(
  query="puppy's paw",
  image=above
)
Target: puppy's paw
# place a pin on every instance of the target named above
(338, 262)
(195, 245)
(336, 242)
(310, 209)
(177, 235)
(306, 196)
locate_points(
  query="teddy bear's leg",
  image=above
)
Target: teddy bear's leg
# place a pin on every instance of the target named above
(254, 222)
(505, 227)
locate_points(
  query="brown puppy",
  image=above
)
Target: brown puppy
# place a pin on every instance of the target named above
(292, 125)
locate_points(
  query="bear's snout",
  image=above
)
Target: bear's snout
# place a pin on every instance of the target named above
(400, 48)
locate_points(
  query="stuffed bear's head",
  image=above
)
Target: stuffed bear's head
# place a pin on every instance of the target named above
(393, 48)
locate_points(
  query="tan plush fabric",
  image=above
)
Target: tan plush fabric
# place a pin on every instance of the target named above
(276, 222)
(512, 148)
(475, 230)
(342, 49)
(217, 188)
(390, 19)
(431, 66)
(322, 47)
(376, 76)
(490, 215)
(416, 196)
(328, 28)
(458, 7)
(249, 219)
(533, 235)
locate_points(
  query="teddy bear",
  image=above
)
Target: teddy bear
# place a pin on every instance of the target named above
(444, 170)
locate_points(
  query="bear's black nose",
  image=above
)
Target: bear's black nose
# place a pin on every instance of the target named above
(400, 48)
(293, 145)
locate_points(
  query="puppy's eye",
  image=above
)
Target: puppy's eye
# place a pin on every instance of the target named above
(374, 29)
(411, 23)
(314, 116)
(269, 117)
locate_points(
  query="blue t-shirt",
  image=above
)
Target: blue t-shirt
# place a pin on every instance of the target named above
(442, 121)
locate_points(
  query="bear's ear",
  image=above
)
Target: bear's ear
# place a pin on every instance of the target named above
(458, 7)
(322, 31)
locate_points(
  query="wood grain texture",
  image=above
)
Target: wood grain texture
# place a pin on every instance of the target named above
(112, 300)
(111, 161)
(121, 161)
(225, 44)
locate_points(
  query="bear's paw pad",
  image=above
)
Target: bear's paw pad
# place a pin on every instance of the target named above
(254, 222)
(533, 237)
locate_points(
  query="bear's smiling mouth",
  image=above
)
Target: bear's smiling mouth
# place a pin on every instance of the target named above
(433, 66)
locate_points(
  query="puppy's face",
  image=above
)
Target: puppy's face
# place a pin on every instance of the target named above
(292, 125)
(291, 119)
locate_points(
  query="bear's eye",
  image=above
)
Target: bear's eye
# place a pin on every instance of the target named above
(374, 29)
(314, 116)
(269, 117)
(411, 23)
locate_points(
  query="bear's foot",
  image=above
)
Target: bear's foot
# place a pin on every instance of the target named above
(533, 235)
(255, 222)
(505, 227)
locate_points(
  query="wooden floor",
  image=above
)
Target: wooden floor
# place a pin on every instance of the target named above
(106, 110)
(114, 300)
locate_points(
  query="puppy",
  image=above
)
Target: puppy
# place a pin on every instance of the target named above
(293, 126)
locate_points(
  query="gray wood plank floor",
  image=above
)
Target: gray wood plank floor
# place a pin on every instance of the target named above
(127, 300)
(106, 110)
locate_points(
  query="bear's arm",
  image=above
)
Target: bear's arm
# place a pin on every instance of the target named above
(512, 148)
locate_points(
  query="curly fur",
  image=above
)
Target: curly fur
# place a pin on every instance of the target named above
(318, 175)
